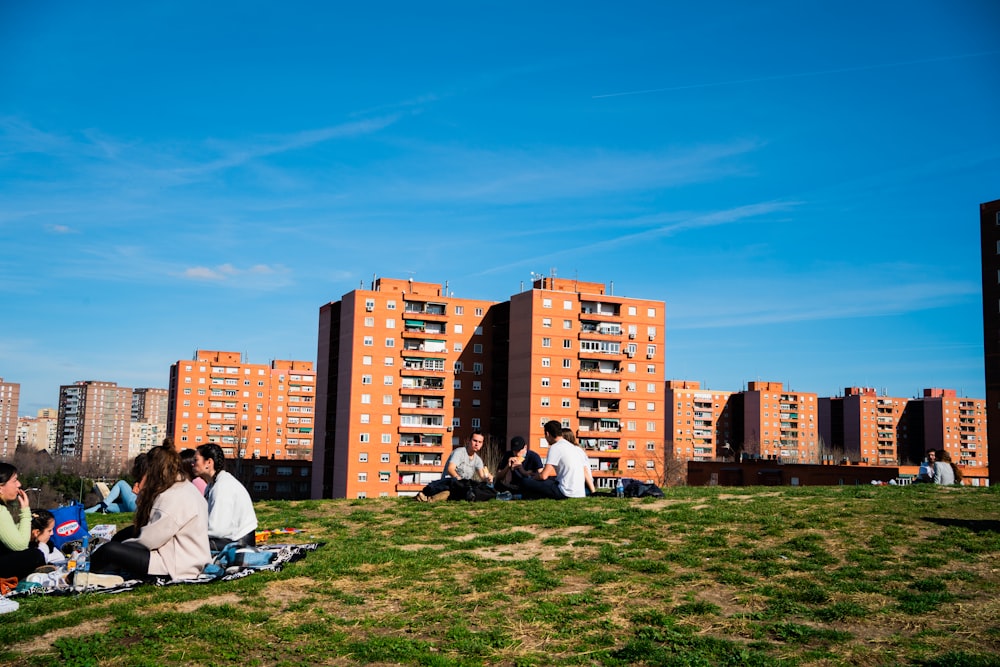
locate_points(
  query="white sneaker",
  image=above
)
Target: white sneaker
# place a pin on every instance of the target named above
(55, 581)
(7, 606)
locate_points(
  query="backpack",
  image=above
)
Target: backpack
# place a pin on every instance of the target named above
(70, 525)
(636, 489)
(466, 489)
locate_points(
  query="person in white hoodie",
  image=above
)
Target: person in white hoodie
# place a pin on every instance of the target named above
(231, 517)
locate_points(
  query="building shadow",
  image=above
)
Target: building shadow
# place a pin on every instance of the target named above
(975, 525)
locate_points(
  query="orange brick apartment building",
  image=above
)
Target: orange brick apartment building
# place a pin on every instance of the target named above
(250, 410)
(406, 371)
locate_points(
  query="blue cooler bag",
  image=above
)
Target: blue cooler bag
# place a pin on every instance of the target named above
(71, 524)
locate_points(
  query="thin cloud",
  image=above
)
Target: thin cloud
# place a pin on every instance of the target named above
(229, 272)
(797, 75)
(60, 229)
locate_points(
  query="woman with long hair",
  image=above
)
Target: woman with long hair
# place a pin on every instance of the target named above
(171, 525)
(945, 471)
(16, 558)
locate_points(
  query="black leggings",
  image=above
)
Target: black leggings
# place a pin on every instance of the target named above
(20, 563)
(113, 557)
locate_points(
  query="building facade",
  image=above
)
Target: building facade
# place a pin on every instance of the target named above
(404, 374)
(39, 432)
(593, 361)
(989, 232)
(251, 411)
(10, 398)
(699, 422)
(93, 423)
(780, 424)
(955, 424)
(863, 426)
(406, 371)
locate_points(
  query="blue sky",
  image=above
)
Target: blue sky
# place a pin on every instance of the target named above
(800, 182)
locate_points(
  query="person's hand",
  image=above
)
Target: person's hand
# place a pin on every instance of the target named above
(22, 498)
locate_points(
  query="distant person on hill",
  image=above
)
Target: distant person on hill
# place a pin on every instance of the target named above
(122, 496)
(231, 517)
(946, 473)
(563, 475)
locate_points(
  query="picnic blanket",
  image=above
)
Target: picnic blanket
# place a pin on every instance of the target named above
(280, 555)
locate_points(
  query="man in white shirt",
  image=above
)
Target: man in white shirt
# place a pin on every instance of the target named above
(231, 517)
(565, 471)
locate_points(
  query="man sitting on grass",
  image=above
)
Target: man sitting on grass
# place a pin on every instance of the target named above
(463, 463)
(565, 471)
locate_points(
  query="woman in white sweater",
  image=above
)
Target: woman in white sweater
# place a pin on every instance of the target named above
(171, 520)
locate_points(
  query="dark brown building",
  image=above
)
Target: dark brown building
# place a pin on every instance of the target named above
(989, 225)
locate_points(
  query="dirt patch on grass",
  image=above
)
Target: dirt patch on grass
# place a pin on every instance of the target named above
(44, 643)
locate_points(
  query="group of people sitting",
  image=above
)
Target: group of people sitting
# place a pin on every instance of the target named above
(183, 512)
(939, 469)
(565, 474)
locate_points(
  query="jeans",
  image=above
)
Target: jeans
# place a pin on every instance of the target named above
(120, 499)
(534, 489)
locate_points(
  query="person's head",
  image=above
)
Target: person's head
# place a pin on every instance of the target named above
(9, 485)
(567, 435)
(42, 523)
(553, 431)
(943, 456)
(476, 441)
(209, 461)
(518, 446)
(187, 463)
(931, 455)
(163, 470)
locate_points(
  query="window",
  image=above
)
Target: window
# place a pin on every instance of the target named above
(366, 360)
(364, 437)
(651, 369)
(457, 347)
(651, 427)
(567, 344)
(456, 422)
(478, 331)
(479, 313)
(567, 324)
(390, 323)
(650, 465)
(475, 422)
(369, 304)
(631, 310)
(390, 342)
(460, 310)
(546, 362)
(383, 477)
(457, 384)
(369, 321)
(386, 419)
(366, 379)
(477, 368)
(650, 351)
(546, 303)
(650, 407)
(651, 312)
(387, 399)
(565, 402)
(477, 348)
(384, 458)
(477, 385)
(545, 401)
(388, 361)
(458, 328)
(368, 341)
(630, 465)
(547, 322)
(630, 444)
(567, 305)
(651, 388)
(567, 363)
(365, 399)
(365, 417)
(390, 304)
(565, 383)
(362, 477)
(545, 382)
(363, 457)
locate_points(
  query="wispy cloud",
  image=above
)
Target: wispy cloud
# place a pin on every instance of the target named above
(228, 272)
(59, 229)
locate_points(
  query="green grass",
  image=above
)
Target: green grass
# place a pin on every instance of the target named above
(704, 576)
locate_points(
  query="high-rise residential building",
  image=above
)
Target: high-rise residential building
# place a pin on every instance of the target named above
(93, 423)
(780, 424)
(699, 422)
(250, 410)
(149, 405)
(863, 426)
(404, 374)
(39, 433)
(144, 435)
(406, 371)
(595, 362)
(989, 232)
(956, 424)
(10, 396)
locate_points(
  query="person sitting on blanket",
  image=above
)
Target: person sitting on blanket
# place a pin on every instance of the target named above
(17, 559)
(463, 463)
(171, 525)
(231, 517)
(121, 496)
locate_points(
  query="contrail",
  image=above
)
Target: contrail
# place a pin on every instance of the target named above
(779, 77)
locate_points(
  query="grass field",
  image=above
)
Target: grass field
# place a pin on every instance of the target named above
(704, 576)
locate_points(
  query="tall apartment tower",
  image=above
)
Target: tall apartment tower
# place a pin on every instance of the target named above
(38, 433)
(956, 424)
(10, 396)
(250, 410)
(93, 423)
(149, 405)
(989, 232)
(594, 362)
(780, 424)
(863, 426)
(698, 422)
(404, 375)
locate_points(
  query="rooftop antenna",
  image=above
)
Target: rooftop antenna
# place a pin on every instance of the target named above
(612, 288)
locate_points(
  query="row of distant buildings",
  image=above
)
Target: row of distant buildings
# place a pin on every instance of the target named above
(405, 371)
